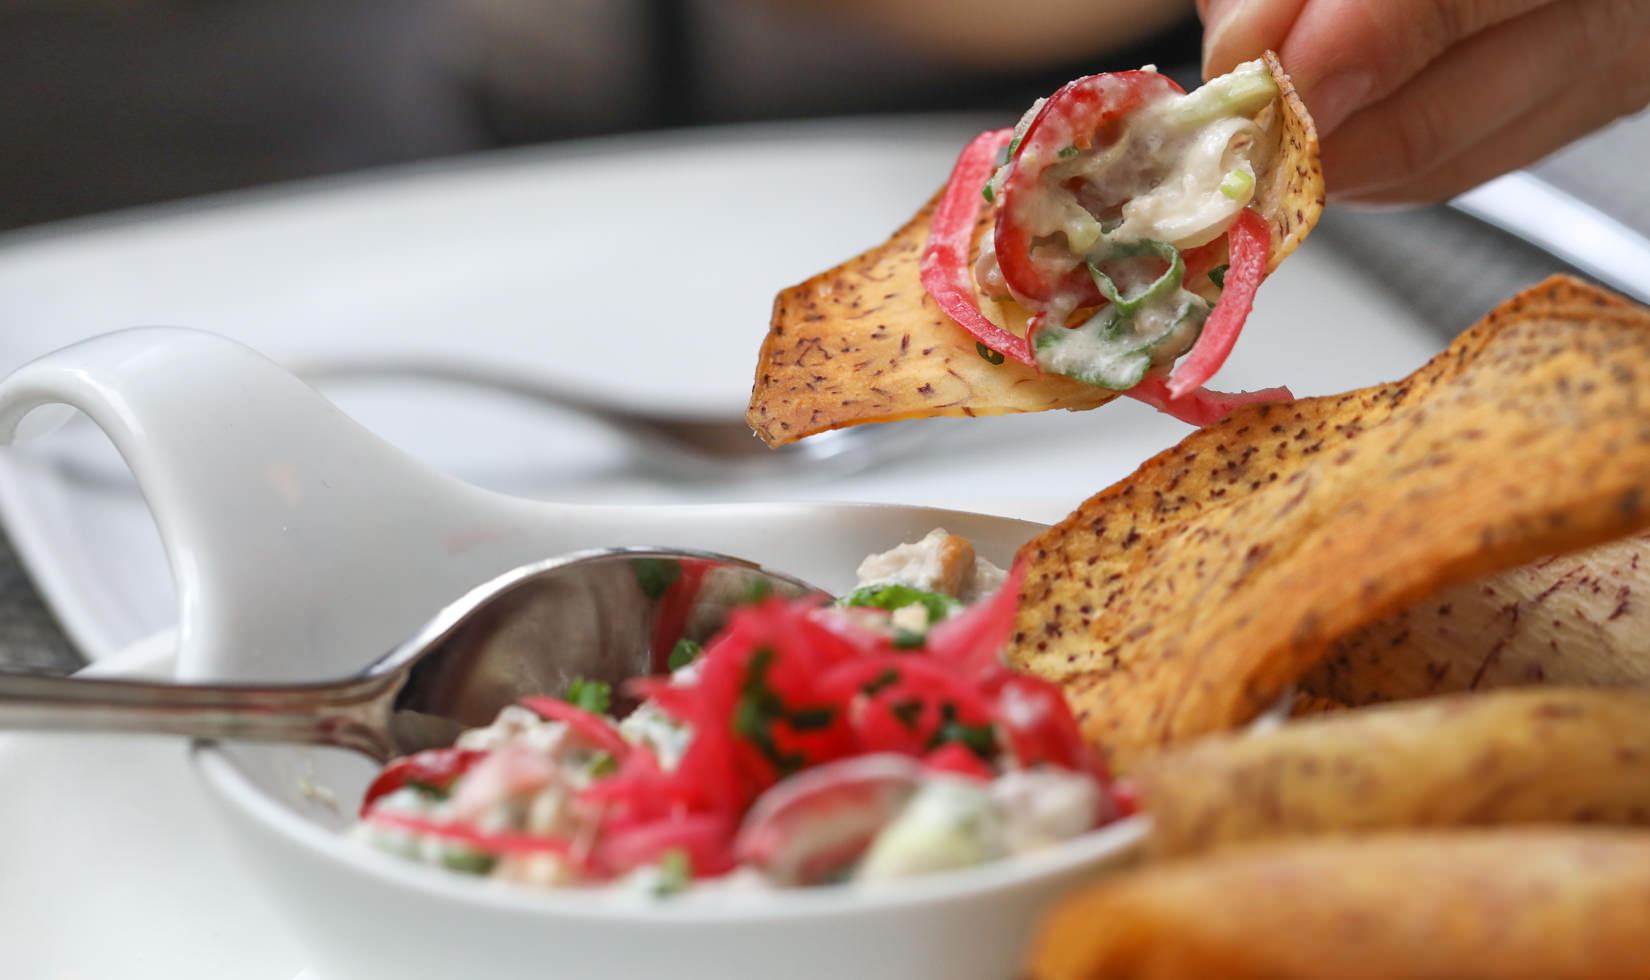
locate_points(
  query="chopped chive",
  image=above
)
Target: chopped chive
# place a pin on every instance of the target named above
(603, 764)
(1067, 152)
(1237, 184)
(994, 357)
(989, 194)
(1217, 275)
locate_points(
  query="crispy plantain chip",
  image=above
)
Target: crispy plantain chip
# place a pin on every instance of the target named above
(1548, 755)
(1580, 619)
(1493, 905)
(1186, 598)
(864, 342)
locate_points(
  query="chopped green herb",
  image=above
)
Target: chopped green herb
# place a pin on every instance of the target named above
(655, 576)
(682, 654)
(897, 596)
(1067, 152)
(760, 708)
(989, 193)
(811, 719)
(905, 639)
(908, 712)
(675, 873)
(428, 790)
(978, 739)
(994, 357)
(469, 862)
(592, 696)
(602, 764)
(758, 588)
(1218, 275)
(1165, 285)
(881, 681)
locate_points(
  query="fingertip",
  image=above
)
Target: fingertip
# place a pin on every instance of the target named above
(1236, 31)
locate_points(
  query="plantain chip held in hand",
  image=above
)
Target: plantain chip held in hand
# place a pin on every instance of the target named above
(1548, 904)
(1188, 597)
(867, 342)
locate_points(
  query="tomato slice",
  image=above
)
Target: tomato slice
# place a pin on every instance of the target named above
(595, 729)
(433, 767)
(1251, 239)
(945, 270)
(1200, 406)
(1071, 117)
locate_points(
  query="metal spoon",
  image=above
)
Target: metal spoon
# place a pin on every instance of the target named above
(718, 449)
(606, 615)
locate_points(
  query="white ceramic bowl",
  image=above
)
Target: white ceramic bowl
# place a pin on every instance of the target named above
(304, 547)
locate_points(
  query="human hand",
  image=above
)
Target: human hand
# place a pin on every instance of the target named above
(1418, 100)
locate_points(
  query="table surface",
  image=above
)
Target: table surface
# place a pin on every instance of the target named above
(1447, 267)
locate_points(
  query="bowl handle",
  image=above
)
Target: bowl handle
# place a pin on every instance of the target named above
(250, 475)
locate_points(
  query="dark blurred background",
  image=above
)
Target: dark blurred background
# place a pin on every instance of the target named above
(106, 104)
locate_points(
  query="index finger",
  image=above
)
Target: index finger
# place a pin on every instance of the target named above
(1345, 54)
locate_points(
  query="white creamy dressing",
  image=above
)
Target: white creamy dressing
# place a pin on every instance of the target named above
(1187, 207)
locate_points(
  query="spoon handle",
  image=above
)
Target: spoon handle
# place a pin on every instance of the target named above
(347, 714)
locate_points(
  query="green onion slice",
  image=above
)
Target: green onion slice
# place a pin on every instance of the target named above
(1127, 305)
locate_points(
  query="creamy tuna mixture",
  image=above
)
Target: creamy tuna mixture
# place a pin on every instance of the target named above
(1128, 205)
(874, 738)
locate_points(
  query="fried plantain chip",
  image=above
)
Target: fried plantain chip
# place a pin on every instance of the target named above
(1580, 619)
(1551, 904)
(1550, 755)
(1185, 599)
(864, 342)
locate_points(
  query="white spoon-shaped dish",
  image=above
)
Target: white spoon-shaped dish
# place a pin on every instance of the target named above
(303, 547)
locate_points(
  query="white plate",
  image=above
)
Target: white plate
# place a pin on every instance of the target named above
(643, 267)
(115, 867)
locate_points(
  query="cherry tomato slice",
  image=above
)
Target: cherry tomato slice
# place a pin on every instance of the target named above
(433, 767)
(1251, 239)
(1071, 117)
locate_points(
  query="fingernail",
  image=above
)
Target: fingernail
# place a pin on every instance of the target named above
(1337, 97)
